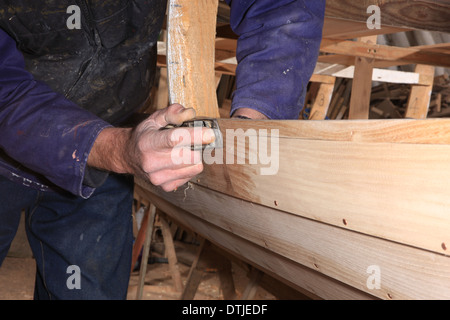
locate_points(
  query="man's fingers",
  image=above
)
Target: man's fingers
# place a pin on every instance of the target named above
(179, 115)
(183, 137)
(174, 185)
(168, 176)
(165, 156)
(176, 159)
(175, 114)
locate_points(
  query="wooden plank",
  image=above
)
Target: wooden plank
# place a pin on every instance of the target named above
(420, 96)
(306, 280)
(382, 52)
(322, 101)
(396, 131)
(250, 290)
(362, 84)
(227, 66)
(379, 75)
(139, 241)
(146, 250)
(335, 252)
(143, 204)
(190, 55)
(432, 15)
(225, 277)
(171, 255)
(346, 29)
(195, 274)
(398, 191)
(438, 47)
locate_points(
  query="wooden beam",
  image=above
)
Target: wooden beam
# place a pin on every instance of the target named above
(414, 55)
(397, 131)
(195, 273)
(431, 15)
(345, 29)
(420, 96)
(225, 277)
(190, 55)
(348, 19)
(379, 75)
(362, 84)
(361, 89)
(322, 101)
(171, 254)
(146, 250)
(250, 290)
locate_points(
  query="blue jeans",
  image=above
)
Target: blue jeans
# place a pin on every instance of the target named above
(82, 247)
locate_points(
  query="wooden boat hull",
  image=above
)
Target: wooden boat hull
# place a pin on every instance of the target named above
(353, 209)
(359, 210)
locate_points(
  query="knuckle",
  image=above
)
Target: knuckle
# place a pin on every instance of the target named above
(156, 179)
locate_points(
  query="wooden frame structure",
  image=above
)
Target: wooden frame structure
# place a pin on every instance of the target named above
(358, 209)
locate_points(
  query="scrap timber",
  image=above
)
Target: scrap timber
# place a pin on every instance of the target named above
(356, 209)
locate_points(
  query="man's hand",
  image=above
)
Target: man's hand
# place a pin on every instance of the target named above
(146, 151)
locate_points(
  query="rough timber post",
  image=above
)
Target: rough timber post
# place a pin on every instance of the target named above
(190, 55)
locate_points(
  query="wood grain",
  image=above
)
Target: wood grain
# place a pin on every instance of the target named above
(414, 55)
(332, 251)
(402, 131)
(420, 95)
(322, 101)
(304, 279)
(362, 84)
(190, 55)
(432, 15)
(397, 191)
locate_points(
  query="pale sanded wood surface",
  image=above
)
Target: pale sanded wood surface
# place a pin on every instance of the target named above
(303, 279)
(376, 177)
(329, 252)
(348, 195)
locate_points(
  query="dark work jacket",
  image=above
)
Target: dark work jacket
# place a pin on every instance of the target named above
(60, 87)
(107, 66)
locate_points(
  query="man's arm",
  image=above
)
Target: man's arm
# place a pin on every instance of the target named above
(277, 51)
(39, 128)
(54, 137)
(146, 151)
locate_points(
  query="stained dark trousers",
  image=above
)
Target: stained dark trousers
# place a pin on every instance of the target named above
(82, 247)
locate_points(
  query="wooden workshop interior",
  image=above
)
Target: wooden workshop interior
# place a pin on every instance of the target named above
(359, 208)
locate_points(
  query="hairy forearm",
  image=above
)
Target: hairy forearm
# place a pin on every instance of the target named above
(146, 151)
(109, 152)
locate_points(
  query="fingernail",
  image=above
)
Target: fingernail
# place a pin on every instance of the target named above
(208, 136)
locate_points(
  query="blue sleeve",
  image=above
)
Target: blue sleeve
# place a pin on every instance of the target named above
(277, 51)
(39, 128)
